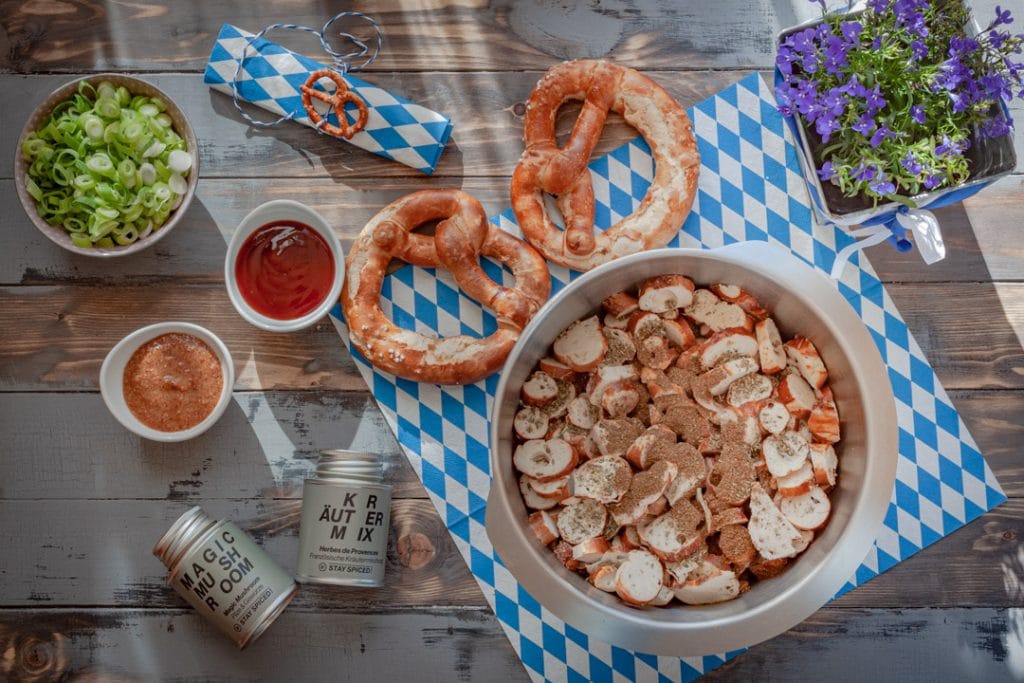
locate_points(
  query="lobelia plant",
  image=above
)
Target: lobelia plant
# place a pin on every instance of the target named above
(894, 96)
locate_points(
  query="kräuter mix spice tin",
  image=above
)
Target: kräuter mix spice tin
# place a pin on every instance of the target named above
(346, 510)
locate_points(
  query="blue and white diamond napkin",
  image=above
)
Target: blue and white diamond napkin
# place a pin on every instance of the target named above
(750, 189)
(272, 75)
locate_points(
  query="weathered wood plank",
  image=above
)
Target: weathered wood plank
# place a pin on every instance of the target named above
(142, 646)
(55, 338)
(889, 645)
(433, 36)
(266, 444)
(98, 553)
(982, 236)
(486, 110)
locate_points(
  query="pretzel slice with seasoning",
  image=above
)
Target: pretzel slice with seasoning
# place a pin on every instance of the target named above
(337, 100)
(546, 168)
(463, 235)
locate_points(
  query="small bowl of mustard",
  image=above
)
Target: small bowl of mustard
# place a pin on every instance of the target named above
(168, 382)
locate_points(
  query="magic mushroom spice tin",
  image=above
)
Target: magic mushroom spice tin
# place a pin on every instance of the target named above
(346, 510)
(224, 575)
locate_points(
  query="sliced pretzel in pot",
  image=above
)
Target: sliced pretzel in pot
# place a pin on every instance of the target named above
(806, 359)
(539, 389)
(809, 511)
(605, 479)
(582, 520)
(532, 500)
(673, 535)
(753, 388)
(620, 305)
(796, 395)
(581, 346)
(603, 578)
(621, 348)
(557, 369)
(785, 453)
(666, 293)
(543, 527)
(771, 532)
(563, 551)
(582, 413)
(656, 438)
(614, 437)
(645, 488)
(729, 343)
(708, 585)
(590, 550)
(605, 377)
(639, 579)
(728, 516)
(736, 546)
(824, 462)
(805, 540)
(769, 347)
(742, 298)
(773, 417)
(655, 351)
(556, 488)
(530, 423)
(663, 598)
(679, 333)
(544, 460)
(797, 483)
(823, 422)
(720, 377)
(620, 398)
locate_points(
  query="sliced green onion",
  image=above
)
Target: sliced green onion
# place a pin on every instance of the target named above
(106, 166)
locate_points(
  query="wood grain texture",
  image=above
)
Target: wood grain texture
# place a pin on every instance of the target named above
(437, 35)
(99, 553)
(145, 646)
(55, 338)
(981, 235)
(890, 645)
(266, 444)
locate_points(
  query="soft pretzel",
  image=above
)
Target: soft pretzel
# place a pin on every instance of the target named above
(463, 235)
(336, 100)
(546, 168)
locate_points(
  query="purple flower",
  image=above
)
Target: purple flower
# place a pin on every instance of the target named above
(835, 54)
(882, 133)
(931, 181)
(863, 172)
(995, 127)
(826, 125)
(1002, 17)
(854, 88)
(962, 45)
(807, 94)
(918, 50)
(834, 101)
(874, 100)
(879, 6)
(996, 86)
(949, 147)
(851, 30)
(883, 186)
(865, 124)
(803, 41)
(997, 38)
(784, 60)
(876, 44)
(826, 172)
(911, 164)
(917, 114)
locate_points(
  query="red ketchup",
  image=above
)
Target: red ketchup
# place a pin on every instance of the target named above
(284, 270)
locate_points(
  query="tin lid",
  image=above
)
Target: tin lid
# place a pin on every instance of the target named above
(173, 545)
(358, 465)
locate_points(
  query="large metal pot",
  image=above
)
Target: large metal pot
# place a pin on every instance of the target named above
(802, 301)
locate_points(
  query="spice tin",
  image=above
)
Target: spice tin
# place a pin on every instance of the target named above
(222, 573)
(346, 510)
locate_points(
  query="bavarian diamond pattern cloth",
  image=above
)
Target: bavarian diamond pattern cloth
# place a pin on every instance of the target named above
(750, 189)
(272, 75)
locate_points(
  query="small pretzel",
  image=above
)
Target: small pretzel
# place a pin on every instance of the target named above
(336, 100)
(546, 168)
(463, 235)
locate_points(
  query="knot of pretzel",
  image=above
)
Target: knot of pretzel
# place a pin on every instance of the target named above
(462, 236)
(336, 100)
(544, 168)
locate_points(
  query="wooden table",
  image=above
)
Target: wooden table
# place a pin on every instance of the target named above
(82, 501)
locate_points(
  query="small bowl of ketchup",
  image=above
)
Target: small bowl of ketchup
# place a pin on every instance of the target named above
(284, 267)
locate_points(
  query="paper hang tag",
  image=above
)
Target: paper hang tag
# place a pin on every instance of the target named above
(927, 234)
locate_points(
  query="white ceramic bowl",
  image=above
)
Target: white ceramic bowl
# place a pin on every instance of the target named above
(112, 379)
(282, 210)
(802, 301)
